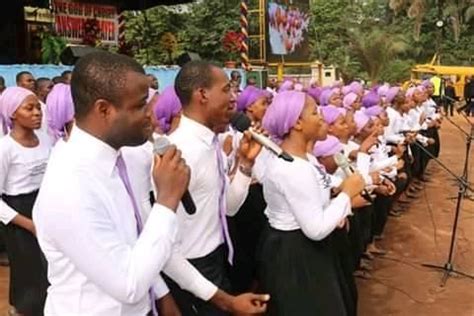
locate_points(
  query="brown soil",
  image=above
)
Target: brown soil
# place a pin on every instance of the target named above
(400, 285)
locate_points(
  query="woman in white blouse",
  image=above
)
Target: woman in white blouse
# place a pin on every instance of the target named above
(297, 266)
(24, 155)
(247, 225)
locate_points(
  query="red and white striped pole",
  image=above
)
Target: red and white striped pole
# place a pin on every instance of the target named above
(244, 25)
(121, 31)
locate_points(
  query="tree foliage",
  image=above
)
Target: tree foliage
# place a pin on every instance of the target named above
(371, 39)
(51, 47)
(199, 28)
(382, 40)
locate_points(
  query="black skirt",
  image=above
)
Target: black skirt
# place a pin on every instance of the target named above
(302, 276)
(341, 246)
(245, 229)
(28, 278)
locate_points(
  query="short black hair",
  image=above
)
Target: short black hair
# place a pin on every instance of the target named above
(2, 81)
(194, 75)
(40, 81)
(100, 75)
(21, 74)
(65, 73)
(57, 79)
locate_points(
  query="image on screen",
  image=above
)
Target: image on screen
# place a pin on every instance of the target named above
(287, 30)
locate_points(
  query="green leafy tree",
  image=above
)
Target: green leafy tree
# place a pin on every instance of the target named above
(207, 23)
(51, 47)
(145, 31)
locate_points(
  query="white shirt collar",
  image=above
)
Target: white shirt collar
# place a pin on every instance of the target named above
(91, 147)
(197, 129)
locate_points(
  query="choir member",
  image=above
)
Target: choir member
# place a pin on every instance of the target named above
(102, 258)
(24, 154)
(208, 104)
(296, 263)
(246, 226)
(61, 111)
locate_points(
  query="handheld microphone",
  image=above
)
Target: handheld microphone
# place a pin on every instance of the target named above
(242, 123)
(343, 163)
(160, 145)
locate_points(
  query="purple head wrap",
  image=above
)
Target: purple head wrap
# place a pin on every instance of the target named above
(326, 95)
(361, 119)
(346, 90)
(374, 111)
(349, 99)
(286, 86)
(10, 100)
(391, 93)
(283, 113)
(356, 87)
(248, 97)
(370, 99)
(299, 87)
(314, 92)
(410, 92)
(60, 109)
(167, 107)
(328, 147)
(383, 90)
(331, 113)
(420, 88)
(426, 83)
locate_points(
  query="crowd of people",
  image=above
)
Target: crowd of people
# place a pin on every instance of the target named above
(93, 213)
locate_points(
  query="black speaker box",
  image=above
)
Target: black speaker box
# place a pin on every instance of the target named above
(187, 57)
(71, 54)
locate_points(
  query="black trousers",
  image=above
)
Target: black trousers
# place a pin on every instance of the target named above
(382, 205)
(213, 267)
(448, 107)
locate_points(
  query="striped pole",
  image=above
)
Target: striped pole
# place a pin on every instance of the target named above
(121, 31)
(244, 25)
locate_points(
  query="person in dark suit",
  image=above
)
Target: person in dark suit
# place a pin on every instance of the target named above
(468, 96)
(450, 97)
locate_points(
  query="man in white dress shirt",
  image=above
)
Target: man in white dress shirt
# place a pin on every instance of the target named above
(208, 103)
(102, 259)
(86, 217)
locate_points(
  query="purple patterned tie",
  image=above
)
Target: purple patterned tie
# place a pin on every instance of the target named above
(122, 170)
(222, 200)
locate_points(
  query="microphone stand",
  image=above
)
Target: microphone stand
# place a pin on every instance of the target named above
(463, 187)
(469, 138)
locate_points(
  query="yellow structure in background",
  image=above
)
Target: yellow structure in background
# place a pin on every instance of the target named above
(457, 74)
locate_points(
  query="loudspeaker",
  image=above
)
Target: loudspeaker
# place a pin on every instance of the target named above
(187, 57)
(71, 54)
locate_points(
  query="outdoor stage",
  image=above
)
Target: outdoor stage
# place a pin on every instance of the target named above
(401, 286)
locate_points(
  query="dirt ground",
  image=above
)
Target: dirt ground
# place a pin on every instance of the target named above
(400, 285)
